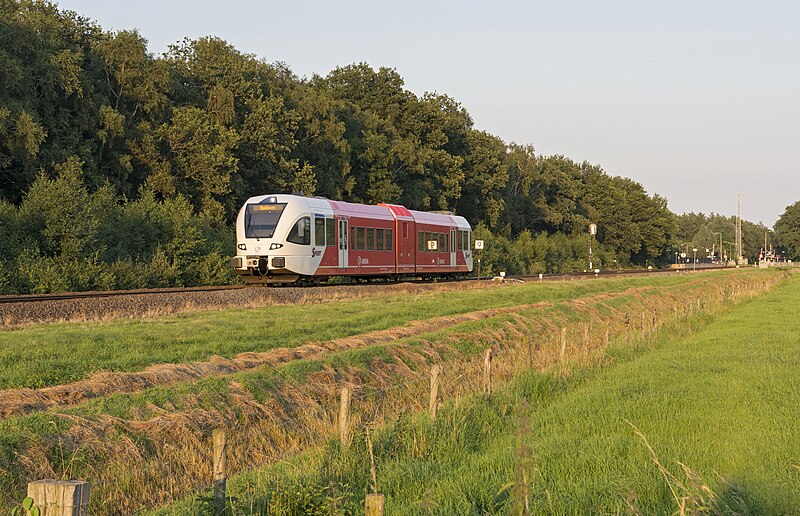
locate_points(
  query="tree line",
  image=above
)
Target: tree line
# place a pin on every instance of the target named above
(119, 169)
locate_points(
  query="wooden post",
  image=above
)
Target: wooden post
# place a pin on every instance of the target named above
(344, 416)
(529, 350)
(60, 497)
(563, 343)
(644, 323)
(655, 320)
(433, 402)
(608, 332)
(374, 504)
(487, 371)
(220, 462)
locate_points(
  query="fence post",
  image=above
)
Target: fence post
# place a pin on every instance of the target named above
(220, 463)
(434, 398)
(529, 351)
(374, 504)
(487, 371)
(608, 331)
(60, 497)
(655, 320)
(563, 343)
(644, 323)
(344, 416)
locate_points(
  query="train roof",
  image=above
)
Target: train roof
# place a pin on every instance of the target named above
(428, 217)
(380, 211)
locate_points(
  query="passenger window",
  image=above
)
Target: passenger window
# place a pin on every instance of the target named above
(379, 239)
(441, 243)
(370, 239)
(428, 238)
(353, 238)
(361, 238)
(301, 232)
(319, 231)
(420, 241)
(330, 232)
(389, 241)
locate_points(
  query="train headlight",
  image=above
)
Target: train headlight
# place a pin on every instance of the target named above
(243, 247)
(272, 247)
(278, 262)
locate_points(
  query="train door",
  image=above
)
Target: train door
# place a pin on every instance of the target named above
(452, 247)
(342, 243)
(405, 240)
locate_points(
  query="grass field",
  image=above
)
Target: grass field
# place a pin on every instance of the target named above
(142, 448)
(52, 354)
(716, 409)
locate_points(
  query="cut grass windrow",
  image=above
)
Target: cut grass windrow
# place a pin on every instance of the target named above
(143, 448)
(52, 354)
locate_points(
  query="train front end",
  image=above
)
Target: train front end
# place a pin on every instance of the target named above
(274, 236)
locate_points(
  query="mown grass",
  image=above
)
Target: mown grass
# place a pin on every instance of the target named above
(52, 354)
(721, 401)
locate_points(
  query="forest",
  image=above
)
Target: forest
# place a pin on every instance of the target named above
(121, 169)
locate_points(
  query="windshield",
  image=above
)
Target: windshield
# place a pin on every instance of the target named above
(260, 219)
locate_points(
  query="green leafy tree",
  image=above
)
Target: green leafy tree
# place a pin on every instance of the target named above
(787, 231)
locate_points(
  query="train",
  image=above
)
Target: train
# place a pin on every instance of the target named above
(282, 238)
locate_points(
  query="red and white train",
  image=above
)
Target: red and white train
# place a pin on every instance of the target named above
(290, 238)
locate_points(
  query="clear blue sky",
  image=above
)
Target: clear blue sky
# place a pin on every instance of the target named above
(696, 100)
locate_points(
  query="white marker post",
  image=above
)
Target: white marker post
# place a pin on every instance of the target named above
(479, 247)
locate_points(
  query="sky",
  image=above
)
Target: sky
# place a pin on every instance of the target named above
(696, 100)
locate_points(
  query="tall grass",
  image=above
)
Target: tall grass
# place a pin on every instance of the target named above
(697, 419)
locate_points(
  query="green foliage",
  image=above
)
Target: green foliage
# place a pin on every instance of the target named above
(26, 507)
(696, 230)
(97, 135)
(787, 231)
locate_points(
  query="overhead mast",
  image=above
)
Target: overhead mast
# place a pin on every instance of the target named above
(739, 250)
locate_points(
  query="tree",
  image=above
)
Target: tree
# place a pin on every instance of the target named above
(787, 231)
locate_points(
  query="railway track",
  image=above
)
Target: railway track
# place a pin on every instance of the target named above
(33, 298)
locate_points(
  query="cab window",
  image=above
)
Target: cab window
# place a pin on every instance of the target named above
(301, 232)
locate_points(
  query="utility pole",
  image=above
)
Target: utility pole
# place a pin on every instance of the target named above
(739, 250)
